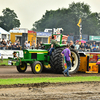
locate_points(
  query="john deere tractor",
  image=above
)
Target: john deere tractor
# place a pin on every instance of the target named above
(39, 59)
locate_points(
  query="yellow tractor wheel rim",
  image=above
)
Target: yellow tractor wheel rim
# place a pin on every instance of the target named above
(37, 67)
(71, 59)
(23, 67)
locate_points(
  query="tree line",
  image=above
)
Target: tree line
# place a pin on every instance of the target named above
(9, 19)
(68, 19)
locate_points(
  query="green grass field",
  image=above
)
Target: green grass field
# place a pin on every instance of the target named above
(48, 79)
(4, 62)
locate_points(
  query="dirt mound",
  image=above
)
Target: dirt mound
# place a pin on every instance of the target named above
(51, 91)
(45, 84)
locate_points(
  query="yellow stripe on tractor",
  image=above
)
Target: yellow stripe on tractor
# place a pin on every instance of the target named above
(38, 52)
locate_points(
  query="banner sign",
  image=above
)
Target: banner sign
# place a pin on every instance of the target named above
(43, 34)
(9, 53)
(76, 37)
(95, 38)
(93, 56)
(70, 38)
(85, 37)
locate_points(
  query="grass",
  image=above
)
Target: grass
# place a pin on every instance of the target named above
(48, 79)
(4, 62)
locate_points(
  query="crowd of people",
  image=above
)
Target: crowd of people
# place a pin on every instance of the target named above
(9, 45)
(86, 47)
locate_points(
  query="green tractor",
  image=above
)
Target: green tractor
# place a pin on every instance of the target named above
(39, 59)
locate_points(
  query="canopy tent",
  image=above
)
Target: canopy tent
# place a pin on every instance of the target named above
(4, 34)
(2, 31)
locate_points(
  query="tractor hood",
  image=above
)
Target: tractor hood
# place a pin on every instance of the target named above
(58, 45)
(36, 51)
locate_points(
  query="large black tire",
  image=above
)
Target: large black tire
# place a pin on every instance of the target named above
(22, 68)
(57, 64)
(36, 67)
(56, 60)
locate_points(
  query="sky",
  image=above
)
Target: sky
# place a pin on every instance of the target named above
(29, 11)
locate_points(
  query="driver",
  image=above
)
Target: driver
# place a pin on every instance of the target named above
(53, 45)
(53, 41)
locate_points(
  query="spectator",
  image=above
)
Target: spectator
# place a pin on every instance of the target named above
(4, 44)
(1, 46)
(27, 44)
(86, 45)
(0, 41)
(33, 45)
(94, 47)
(24, 45)
(88, 48)
(64, 42)
(97, 47)
(41, 43)
(13, 46)
(18, 45)
(10, 41)
(36, 46)
(16, 42)
(8, 45)
(77, 45)
(40, 46)
(82, 47)
(91, 47)
(71, 44)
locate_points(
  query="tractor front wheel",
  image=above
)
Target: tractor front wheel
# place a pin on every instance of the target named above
(37, 67)
(22, 68)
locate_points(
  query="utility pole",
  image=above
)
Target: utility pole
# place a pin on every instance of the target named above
(80, 28)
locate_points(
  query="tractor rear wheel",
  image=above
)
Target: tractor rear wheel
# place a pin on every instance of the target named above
(36, 67)
(75, 60)
(57, 61)
(22, 68)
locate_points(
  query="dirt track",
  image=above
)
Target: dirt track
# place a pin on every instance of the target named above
(11, 72)
(59, 91)
(47, 91)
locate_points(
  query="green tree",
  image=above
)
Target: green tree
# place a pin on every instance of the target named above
(9, 19)
(91, 24)
(68, 19)
(78, 10)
